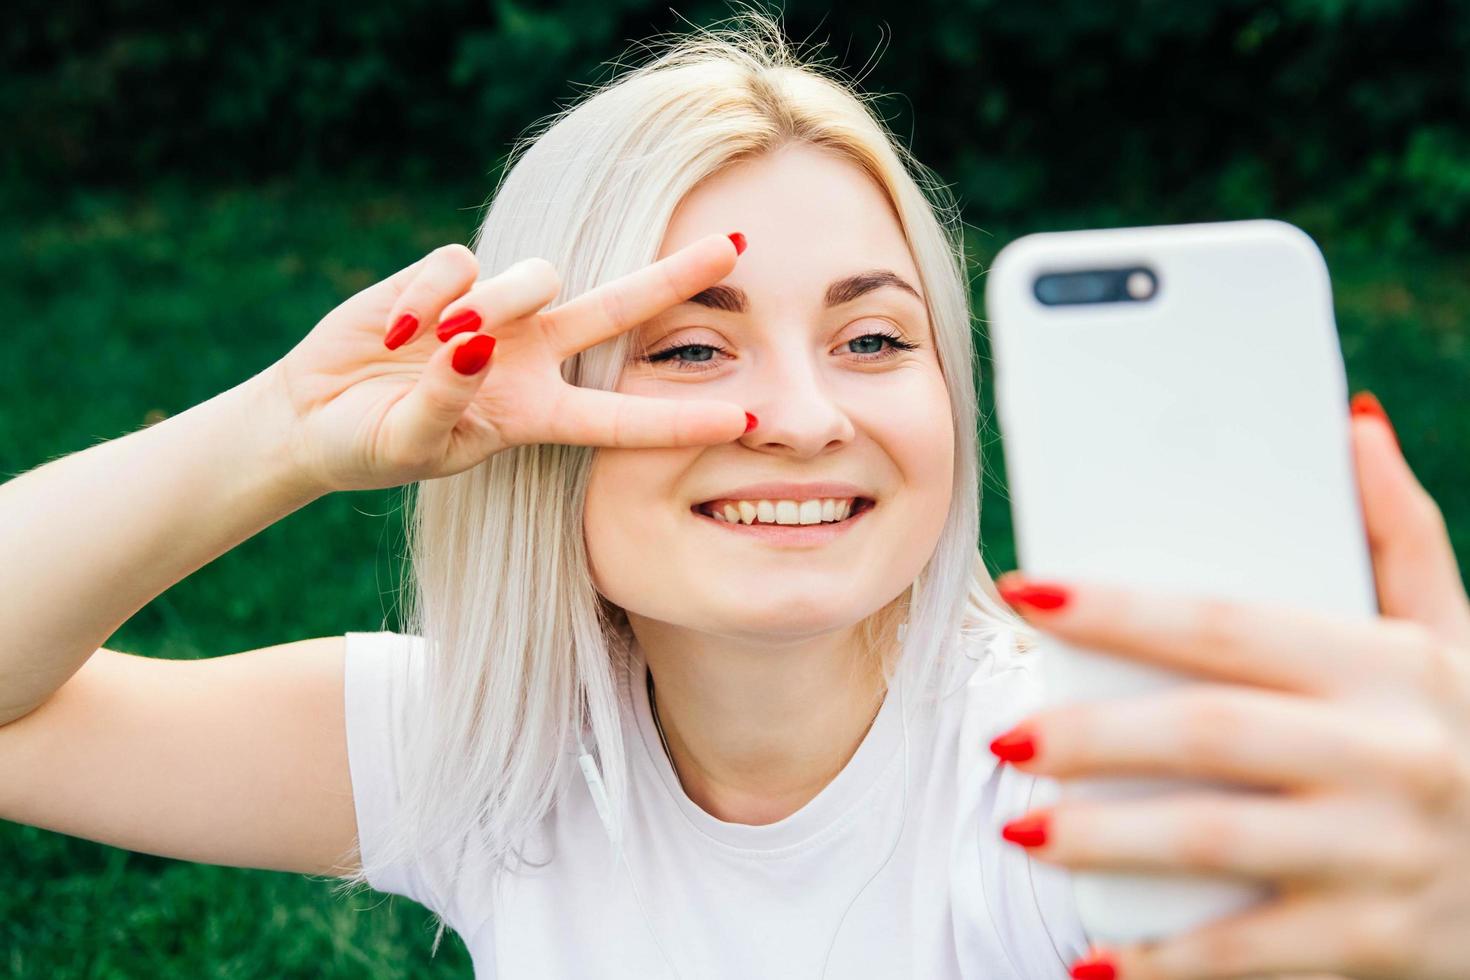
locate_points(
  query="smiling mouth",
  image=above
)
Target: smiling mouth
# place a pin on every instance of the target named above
(784, 513)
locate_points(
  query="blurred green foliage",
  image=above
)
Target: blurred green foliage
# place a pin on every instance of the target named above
(1225, 108)
(186, 190)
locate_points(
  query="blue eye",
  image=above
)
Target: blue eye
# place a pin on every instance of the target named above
(671, 354)
(896, 344)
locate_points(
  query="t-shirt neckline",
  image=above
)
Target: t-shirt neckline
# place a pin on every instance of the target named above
(822, 811)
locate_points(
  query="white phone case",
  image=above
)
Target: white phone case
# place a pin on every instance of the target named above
(1194, 443)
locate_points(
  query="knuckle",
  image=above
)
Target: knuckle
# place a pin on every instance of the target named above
(1208, 838)
(1217, 626)
(1432, 766)
(1222, 948)
(1427, 514)
(1435, 667)
(615, 308)
(1378, 936)
(672, 289)
(1411, 857)
(1443, 670)
(1407, 634)
(1207, 722)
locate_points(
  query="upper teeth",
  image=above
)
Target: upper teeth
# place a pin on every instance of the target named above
(825, 510)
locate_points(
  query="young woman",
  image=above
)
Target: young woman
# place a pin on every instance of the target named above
(703, 675)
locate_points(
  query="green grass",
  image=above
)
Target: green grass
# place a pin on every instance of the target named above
(127, 307)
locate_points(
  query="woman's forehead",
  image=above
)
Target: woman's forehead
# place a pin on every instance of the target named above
(804, 208)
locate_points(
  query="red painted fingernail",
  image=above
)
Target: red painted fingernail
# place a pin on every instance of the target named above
(459, 323)
(470, 356)
(1014, 746)
(402, 330)
(1037, 595)
(1094, 968)
(749, 421)
(739, 241)
(1027, 831)
(1366, 403)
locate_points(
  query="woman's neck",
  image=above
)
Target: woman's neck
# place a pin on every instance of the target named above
(756, 731)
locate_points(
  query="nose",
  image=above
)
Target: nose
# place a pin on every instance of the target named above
(799, 409)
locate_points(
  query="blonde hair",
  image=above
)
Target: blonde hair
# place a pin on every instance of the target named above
(522, 651)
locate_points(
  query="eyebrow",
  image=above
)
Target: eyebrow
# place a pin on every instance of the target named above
(732, 299)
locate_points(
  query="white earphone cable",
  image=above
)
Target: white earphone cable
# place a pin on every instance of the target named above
(604, 812)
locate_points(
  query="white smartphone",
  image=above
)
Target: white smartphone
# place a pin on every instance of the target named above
(1174, 415)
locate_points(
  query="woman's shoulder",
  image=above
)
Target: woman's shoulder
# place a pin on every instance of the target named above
(384, 642)
(382, 661)
(995, 657)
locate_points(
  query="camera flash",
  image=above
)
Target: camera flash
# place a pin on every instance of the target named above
(1140, 285)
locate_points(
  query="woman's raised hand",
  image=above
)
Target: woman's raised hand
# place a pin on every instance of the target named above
(399, 384)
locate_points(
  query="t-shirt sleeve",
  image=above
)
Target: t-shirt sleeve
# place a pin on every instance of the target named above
(377, 671)
(1009, 907)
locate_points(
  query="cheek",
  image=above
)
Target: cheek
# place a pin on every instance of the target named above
(604, 538)
(916, 429)
(613, 563)
(925, 459)
(626, 512)
(929, 469)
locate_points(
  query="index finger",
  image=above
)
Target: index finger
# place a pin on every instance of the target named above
(1267, 644)
(612, 308)
(594, 417)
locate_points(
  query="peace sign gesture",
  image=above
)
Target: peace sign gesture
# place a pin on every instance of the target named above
(376, 398)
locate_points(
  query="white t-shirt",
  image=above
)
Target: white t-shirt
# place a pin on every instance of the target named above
(737, 900)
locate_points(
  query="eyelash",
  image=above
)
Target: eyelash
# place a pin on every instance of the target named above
(898, 344)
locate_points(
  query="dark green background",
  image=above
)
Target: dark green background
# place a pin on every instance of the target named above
(186, 190)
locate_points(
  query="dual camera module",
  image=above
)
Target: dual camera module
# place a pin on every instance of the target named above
(1131, 284)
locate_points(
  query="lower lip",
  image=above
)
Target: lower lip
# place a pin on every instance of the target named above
(788, 534)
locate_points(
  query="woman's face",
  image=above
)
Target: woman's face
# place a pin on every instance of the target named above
(793, 345)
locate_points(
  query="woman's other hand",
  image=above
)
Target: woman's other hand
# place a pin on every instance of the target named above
(1362, 726)
(430, 372)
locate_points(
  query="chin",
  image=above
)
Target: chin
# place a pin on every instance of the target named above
(779, 619)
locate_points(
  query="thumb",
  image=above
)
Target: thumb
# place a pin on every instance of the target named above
(1413, 562)
(423, 418)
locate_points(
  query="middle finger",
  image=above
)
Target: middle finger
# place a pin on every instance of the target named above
(1230, 732)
